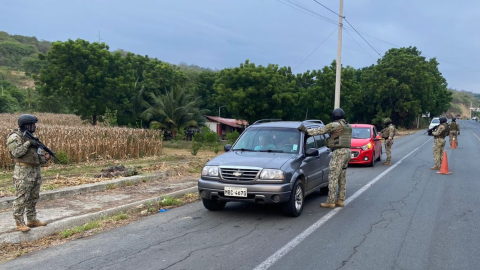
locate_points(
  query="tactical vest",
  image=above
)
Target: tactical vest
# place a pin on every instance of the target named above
(33, 156)
(445, 131)
(342, 137)
(453, 126)
(386, 132)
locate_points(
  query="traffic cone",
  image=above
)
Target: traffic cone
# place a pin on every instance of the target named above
(444, 167)
(454, 144)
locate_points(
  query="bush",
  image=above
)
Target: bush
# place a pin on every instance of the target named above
(232, 137)
(197, 143)
(62, 156)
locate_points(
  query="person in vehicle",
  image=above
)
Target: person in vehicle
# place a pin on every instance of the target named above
(264, 143)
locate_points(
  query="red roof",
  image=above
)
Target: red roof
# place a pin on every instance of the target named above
(228, 121)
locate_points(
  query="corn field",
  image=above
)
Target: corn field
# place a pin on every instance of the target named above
(67, 136)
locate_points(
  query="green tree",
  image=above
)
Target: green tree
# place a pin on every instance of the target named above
(255, 92)
(85, 74)
(174, 110)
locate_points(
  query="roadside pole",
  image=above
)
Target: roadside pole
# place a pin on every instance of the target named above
(339, 58)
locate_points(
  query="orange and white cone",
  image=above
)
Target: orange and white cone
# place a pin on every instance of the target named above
(444, 167)
(454, 144)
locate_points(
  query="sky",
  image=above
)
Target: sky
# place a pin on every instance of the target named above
(224, 33)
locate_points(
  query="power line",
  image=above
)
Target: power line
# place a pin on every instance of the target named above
(362, 37)
(360, 45)
(315, 49)
(348, 24)
(328, 9)
(309, 12)
(299, 7)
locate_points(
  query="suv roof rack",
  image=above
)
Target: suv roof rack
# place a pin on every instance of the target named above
(314, 121)
(265, 121)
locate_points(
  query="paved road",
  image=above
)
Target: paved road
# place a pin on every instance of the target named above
(411, 218)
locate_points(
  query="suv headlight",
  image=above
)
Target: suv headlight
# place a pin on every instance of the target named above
(210, 171)
(367, 146)
(271, 174)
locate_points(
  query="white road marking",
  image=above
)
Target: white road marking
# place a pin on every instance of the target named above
(302, 236)
(474, 133)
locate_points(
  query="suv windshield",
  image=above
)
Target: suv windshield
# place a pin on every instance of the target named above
(360, 133)
(435, 121)
(269, 139)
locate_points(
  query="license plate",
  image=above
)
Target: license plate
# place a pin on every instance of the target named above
(235, 192)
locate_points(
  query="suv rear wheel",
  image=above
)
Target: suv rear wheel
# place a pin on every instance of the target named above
(213, 205)
(294, 206)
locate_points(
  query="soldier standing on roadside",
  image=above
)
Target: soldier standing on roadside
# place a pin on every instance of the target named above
(339, 142)
(454, 131)
(27, 178)
(439, 142)
(388, 134)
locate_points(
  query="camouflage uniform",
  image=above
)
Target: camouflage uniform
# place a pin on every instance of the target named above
(338, 164)
(27, 178)
(454, 130)
(439, 144)
(389, 132)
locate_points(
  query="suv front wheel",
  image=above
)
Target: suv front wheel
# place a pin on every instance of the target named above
(213, 205)
(294, 206)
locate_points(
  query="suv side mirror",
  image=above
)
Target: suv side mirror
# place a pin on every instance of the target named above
(311, 152)
(377, 138)
(227, 147)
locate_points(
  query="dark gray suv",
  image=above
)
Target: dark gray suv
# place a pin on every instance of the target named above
(271, 162)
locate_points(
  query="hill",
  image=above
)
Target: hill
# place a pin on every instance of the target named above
(461, 102)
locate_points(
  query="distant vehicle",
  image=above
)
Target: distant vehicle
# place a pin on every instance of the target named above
(366, 145)
(475, 118)
(270, 163)
(435, 122)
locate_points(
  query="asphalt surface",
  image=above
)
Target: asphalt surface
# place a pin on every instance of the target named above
(411, 218)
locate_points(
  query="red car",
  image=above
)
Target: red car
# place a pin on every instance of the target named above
(366, 144)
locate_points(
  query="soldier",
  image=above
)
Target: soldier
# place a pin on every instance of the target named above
(27, 178)
(439, 142)
(454, 131)
(387, 133)
(339, 142)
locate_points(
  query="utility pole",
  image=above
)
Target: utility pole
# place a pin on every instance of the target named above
(99, 37)
(339, 58)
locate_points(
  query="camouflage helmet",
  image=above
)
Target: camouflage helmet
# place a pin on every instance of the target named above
(27, 119)
(338, 114)
(387, 121)
(443, 119)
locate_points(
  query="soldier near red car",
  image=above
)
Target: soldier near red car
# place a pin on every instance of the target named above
(27, 178)
(388, 133)
(339, 142)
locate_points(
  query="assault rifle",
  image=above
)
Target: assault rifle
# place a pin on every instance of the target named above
(29, 135)
(429, 131)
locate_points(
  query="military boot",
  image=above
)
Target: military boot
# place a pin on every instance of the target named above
(22, 227)
(339, 203)
(327, 205)
(387, 163)
(35, 223)
(435, 168)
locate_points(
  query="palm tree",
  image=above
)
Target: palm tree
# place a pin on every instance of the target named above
(174, 110)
